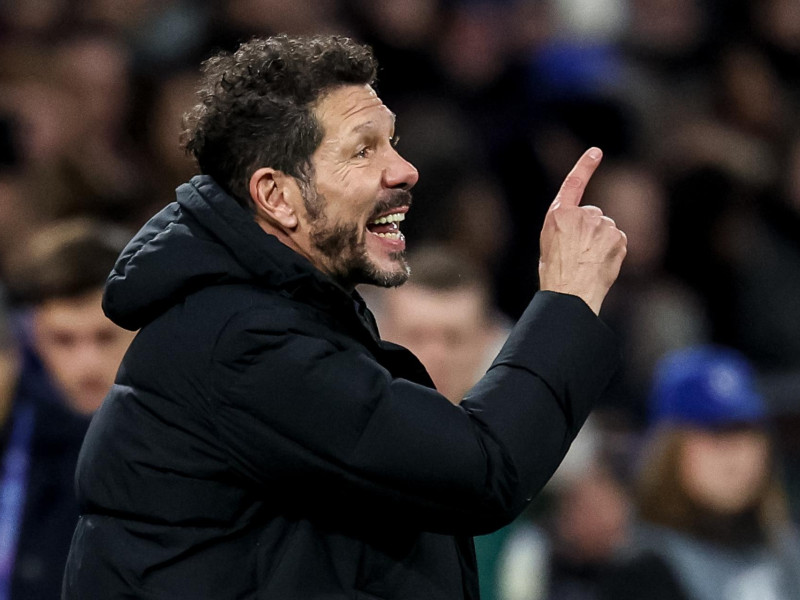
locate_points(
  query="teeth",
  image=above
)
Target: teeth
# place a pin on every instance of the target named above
(393, 218)
(394, 235)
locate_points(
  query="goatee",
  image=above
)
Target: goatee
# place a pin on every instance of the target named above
(345, 252)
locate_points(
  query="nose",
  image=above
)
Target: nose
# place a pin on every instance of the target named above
(399, 173)
(89, 357)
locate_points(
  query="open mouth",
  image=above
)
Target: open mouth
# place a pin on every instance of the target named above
(388, 225)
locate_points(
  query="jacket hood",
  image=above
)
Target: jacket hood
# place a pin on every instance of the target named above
(203, 238)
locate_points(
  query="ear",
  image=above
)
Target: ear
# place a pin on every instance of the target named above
(273, 194)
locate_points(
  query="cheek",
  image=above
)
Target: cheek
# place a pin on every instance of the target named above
(349, 194)
(56, 355)
(63, 367)
(724, 478)
(117, 348)
(699, 469)
(753, 464)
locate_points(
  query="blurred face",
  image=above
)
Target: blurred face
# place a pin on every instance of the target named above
(725, 471)
(407, 22)
(592, 517)
(359, 192)
(80, 348)
(637, 201)
(447, 331)
(97, 71)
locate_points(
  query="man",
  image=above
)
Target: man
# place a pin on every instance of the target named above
(260, 440)
(45, 406)
(444, 315)
(59, 275)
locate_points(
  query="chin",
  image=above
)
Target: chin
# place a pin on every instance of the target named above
(392, 274)
(390, 280)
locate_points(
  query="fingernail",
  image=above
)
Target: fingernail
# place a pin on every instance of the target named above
(595, 153)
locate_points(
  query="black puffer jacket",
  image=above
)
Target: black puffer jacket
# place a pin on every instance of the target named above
(261, 442)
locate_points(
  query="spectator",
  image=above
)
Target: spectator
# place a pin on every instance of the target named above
(713, 519)
(39, 443)
(60, 274)
(169, 165)
(444, 315)
(651, 311)
(44, 410)
(563, 547)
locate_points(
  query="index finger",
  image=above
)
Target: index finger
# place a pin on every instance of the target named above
(575, 183)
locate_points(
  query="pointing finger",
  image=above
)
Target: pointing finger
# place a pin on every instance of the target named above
(575, 183)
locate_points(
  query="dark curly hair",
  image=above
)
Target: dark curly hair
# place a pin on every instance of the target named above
(256, 105)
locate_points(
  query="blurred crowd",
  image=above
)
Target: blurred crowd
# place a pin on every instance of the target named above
(696, 104)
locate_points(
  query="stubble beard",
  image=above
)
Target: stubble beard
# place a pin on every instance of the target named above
(345, 257)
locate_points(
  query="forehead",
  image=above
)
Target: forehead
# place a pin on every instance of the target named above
(345, 108)
(78, 313)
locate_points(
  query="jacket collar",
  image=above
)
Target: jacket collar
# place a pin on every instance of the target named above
(270, 262)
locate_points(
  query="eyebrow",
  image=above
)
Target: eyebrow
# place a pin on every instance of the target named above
(370, 124)
(363, 126)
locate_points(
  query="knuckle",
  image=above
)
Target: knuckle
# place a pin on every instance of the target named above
(592, 210)
(593, 219)
(572, 182)
(562, 215)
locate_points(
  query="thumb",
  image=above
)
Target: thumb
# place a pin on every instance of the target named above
(574, 184)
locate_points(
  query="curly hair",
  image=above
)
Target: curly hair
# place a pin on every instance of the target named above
(256, 105)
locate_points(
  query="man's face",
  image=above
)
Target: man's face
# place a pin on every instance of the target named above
(358, 194)
(80, 348)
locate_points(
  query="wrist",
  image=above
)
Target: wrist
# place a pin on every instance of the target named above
(593, 301)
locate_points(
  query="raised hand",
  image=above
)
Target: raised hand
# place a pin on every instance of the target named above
(581, 249)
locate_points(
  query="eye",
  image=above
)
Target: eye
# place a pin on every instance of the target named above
(62, 339)
(363, 152)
